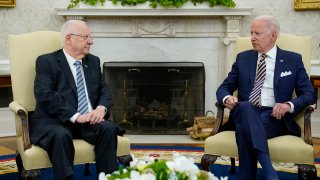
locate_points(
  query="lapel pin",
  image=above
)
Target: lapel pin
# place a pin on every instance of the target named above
(85, 65)
(281, 60)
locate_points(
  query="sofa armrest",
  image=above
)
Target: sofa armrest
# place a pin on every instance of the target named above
(20, 111)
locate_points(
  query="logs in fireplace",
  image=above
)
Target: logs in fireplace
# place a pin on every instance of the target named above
(156, 97)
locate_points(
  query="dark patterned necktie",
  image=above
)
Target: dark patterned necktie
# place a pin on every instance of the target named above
(82, 97)
(254, 97)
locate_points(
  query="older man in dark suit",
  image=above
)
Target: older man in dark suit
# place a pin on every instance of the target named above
(265, 78)
(72, 100)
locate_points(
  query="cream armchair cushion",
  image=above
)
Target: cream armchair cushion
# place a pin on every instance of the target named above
(23, 51)
(298, 150)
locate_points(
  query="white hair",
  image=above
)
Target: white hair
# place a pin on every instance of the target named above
(272, 23)
(69, 28)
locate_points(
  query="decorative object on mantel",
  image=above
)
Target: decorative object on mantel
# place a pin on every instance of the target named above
(155, 3)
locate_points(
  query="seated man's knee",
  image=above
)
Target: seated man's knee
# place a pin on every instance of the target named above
(61, 133)
(245, 105)
(108, 126)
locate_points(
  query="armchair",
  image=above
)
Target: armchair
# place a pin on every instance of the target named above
(23, 51)
(298, 150)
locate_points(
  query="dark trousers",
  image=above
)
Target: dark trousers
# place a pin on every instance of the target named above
(59, 146)
(254, 126)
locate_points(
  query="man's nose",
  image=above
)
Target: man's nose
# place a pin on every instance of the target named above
(90, 41)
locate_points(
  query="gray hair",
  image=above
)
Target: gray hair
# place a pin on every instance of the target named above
(69, 28)
(272, 23)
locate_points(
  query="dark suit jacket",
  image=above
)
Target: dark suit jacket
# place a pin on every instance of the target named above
(242, 78)
(56, 92)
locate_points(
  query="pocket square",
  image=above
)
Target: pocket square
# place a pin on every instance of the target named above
(286, 73)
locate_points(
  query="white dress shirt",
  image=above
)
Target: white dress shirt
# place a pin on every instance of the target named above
(267, 93)
(71, 62)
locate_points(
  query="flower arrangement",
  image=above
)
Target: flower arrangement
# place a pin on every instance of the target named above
(180, 168)
(155, 3)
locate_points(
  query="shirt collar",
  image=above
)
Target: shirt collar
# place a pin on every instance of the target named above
(272, 53)
(70, 59)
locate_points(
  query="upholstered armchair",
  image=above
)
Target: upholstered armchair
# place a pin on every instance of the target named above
(298, 150)
(23, 51)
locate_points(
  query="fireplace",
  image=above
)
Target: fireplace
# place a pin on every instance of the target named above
(141, 34)
(156, 97)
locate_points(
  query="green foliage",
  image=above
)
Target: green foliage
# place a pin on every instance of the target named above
(156, 3)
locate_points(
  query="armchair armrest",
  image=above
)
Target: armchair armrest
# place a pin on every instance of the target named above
(307, 122)
(307, 125)
(19, 110)
(219, 119)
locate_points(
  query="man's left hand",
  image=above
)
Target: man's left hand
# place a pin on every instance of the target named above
(280, 109)
(97, 115)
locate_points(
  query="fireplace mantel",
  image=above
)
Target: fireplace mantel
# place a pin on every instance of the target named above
(144, 10)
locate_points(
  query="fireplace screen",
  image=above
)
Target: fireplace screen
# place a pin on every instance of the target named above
(157, 97)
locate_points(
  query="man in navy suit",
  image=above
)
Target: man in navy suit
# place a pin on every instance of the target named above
(57, 119)
(272, 113)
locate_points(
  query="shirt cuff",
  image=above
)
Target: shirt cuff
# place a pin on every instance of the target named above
(74, 117)
(225, 98)
(291, 106)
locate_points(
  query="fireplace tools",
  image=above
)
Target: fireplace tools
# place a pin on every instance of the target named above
(185, 122)
(124, 122)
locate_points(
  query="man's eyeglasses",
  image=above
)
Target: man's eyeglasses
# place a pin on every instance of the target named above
(84, 37)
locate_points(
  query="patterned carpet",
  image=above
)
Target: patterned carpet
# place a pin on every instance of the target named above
(165, 152)
(8, 165)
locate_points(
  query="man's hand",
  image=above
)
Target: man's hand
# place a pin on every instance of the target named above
(231, 102)
(280, 109)
(93, 117)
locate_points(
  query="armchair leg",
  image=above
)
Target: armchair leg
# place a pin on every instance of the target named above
(125, 159)
(19, 162)
(206, 160)
(86, 171)
(26, 174)
(307, 172)
(233, 166)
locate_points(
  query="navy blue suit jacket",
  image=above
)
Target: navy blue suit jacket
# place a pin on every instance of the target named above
(242, 78)
(56, 92)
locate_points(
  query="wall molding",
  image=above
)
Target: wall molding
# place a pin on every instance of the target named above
(7, 123)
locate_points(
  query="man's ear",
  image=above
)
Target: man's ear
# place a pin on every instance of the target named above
(274, 36)
(67, 40)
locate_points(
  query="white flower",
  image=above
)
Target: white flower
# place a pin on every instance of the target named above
(135, 175)
(140, 169)
(102, 176)
(184, 165)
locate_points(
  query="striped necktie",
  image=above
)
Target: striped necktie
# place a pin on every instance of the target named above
(82, 98)
(254, 97)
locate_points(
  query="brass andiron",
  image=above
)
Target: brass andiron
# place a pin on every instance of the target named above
(124, 122)
(185, 122)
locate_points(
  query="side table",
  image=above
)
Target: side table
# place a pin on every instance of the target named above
(5, 80)
(315, 81)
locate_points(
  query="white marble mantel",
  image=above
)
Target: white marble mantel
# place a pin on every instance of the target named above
(140, 33)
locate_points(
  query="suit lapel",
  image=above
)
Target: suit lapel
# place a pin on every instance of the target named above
(253, 58)
(63, 63)
(280, 63)
(86, 71)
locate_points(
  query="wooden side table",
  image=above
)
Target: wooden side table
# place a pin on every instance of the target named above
(315, 81)
(5, 80)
